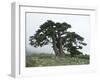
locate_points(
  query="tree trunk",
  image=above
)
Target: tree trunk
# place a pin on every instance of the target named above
(61, 53)
(57, 45)
(54, 45)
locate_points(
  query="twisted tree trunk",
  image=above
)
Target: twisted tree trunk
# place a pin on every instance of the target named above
(61, 53)
(57, 45)
(54, 45)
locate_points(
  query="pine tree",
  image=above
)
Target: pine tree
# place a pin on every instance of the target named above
(58, 35)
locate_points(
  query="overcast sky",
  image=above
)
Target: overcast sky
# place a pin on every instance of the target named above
(80, 24)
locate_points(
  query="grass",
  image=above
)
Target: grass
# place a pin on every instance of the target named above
(39, 60)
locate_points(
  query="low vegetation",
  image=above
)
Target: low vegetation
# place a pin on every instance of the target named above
(39, 60)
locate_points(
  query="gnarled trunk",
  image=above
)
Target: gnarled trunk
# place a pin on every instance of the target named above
(61, 53)
(57, 45)
(54, 45)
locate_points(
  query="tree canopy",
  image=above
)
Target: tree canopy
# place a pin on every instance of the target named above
(59, 36)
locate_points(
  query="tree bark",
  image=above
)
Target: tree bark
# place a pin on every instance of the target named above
(61, 53)
(54, 45)
(57, 45)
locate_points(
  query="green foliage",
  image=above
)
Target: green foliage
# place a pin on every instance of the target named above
(39, 60)
(73, 43)
(59, 36)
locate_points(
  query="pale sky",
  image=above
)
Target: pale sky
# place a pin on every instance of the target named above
(80, 24)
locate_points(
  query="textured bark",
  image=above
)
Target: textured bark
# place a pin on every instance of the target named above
(57, 45)
(61, 53)
(54, 45)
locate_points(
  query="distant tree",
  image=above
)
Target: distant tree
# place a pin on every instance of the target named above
(58, 35)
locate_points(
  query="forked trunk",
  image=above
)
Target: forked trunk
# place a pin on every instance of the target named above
(61, 53)
(57, 45)
(54, 45)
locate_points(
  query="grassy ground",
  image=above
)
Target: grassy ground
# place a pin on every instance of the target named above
(37, 60)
